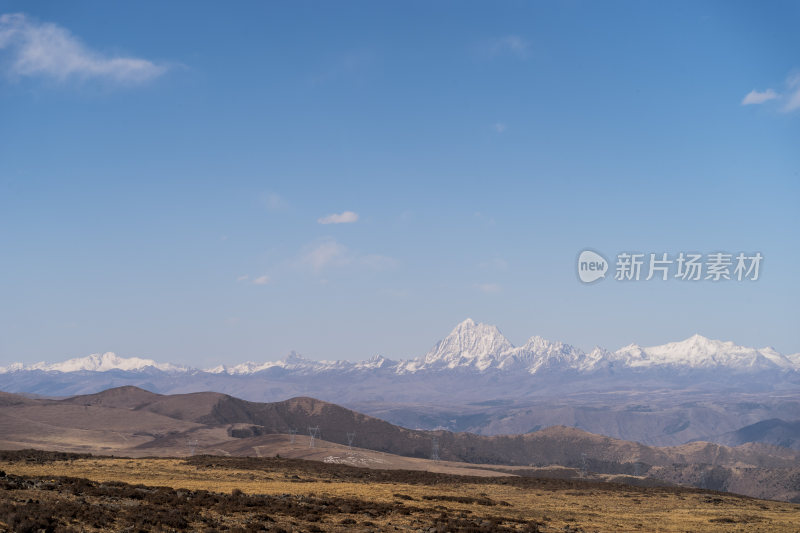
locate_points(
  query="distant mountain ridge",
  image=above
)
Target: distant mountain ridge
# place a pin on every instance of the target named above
(478, 348)
(774, 431)
(476, 380)
(96, 363)
(476, 363)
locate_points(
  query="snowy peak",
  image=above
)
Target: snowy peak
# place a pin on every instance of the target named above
(539, 354)
(296, 363)
(701, 352)
(294, 358)
(373, 363)
(292, 361)
(96, 363)
(469, 344)
(695, 346)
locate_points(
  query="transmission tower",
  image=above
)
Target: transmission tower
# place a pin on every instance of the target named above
(314, 434)
(435, 450)
(350, 436)
(584, 465)
(636, 469)
(192, 444)
(292, 433)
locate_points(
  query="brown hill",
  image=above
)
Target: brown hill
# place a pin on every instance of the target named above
(126, 397)
(8, 399)
(131, 421)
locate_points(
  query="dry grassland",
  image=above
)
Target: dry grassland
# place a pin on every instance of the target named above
(297, 495)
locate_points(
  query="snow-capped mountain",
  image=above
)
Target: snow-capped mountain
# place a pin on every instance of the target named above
(700, 352)
(95, 363)
(478, 346)
(294, 362)
(540, 354)
(473, 360)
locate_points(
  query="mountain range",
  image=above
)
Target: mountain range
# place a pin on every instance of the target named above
(476, 380)
(478, 348)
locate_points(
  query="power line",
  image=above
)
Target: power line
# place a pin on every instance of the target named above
(192, 444)
(314, 434)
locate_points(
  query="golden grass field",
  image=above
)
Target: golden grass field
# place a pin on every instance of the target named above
(482, 504)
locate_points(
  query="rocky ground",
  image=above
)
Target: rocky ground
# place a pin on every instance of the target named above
(45, 491)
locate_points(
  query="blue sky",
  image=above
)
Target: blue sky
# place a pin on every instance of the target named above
(165, 168)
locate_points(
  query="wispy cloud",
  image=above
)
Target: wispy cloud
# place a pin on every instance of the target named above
(347, 217)
(330, 253)
(788, 100)
(756, 97)
(344, 66)
(325, 254)
(499, 127)
(274, 202)
(47, 50)
(260, 280)
(489, 288)
(793, 97)
(513, 45)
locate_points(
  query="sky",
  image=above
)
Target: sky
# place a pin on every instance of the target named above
(205, 183)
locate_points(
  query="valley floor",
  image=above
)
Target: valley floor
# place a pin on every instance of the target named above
(66, 492)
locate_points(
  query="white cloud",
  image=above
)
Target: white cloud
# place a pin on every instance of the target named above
(793, 98)
(48, 50)
(261, 280)
(499, 127)
(347, 217)
(244, 277)
(325, 254)
(510, 44)
(489, 288)
(756, 97)
(788, 100)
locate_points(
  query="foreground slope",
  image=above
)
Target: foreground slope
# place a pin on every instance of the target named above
(45, 491)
